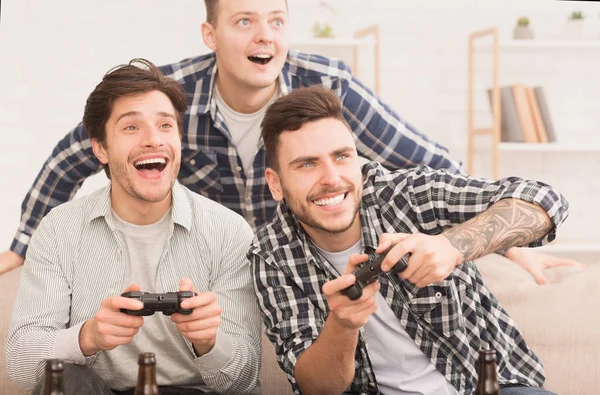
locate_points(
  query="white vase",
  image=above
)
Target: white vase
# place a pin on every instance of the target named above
(522, 33)
(574, 29)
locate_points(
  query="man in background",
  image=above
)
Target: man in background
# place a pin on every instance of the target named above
(229, 90)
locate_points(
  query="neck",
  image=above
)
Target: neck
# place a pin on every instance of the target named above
(139, 212)
(335, 242)
(243, 99)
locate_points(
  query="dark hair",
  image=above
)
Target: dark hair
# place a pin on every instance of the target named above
(137, 77)
(211, 11)
(291, 112)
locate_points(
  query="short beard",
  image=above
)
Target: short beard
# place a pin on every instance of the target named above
(303, 217)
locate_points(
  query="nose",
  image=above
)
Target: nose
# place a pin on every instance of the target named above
(151, 137)
(330, 175)
(264, 34)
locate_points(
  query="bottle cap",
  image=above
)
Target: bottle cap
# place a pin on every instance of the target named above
(54, 365)
(147, 358)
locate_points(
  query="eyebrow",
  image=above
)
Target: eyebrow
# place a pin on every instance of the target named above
(248, 13)
(334, 153)
(137, 113)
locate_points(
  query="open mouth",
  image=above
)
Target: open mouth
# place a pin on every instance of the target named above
(260, 59)
(331, 201)
(151, 166)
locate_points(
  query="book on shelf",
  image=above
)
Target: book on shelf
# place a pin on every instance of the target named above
(540, 129)
(524, 115)
(540, 95)
(510, 128)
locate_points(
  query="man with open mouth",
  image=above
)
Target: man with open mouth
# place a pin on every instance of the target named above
(143, 232)
(229, 90)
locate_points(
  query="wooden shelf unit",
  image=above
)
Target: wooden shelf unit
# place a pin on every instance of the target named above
(476, 45)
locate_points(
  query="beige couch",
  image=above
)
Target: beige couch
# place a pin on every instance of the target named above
(560, 321)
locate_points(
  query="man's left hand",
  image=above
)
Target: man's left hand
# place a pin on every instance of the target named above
(433, 257)
(201, 326)
(535, 262)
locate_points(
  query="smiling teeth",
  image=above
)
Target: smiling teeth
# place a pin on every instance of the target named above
(330, 201)
(148, 161)
(262, 56)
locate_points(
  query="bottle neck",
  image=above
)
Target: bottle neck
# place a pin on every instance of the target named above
(146, 384)
(54, 383)
(487, 383)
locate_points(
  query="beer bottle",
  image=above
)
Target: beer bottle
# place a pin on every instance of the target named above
(487, 382)
(54, 384)
(146, 384)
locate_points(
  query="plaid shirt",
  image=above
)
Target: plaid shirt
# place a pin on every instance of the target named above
(449, 321)
(210, 162)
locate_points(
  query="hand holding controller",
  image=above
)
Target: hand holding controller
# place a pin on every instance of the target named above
(369, 271)
(168, 303)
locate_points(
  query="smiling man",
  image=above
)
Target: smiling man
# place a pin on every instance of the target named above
(229, 90)
(144, 231)
(418, 332)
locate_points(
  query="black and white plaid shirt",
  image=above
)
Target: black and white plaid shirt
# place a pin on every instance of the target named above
(449, 321)
(210, 164)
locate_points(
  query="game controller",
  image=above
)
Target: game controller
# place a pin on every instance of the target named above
(168, 303)
(369, 271)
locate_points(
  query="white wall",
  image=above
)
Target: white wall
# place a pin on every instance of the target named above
(52, 54)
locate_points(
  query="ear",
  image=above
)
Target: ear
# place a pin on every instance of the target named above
(100, 151)
(274, 183)
(208, 35)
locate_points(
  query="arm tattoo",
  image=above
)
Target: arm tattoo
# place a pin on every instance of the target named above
(507, 223)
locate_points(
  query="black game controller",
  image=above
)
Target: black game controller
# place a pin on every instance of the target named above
(369, 271)
(168, 303)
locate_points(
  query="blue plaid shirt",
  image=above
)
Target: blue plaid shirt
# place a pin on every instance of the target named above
(448, 320)
(211, 165)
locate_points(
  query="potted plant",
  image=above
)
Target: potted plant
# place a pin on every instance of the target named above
(322, 30)
(522, 31)
(574, 25)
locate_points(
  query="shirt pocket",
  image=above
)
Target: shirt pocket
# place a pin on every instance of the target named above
(199, 171)
(439, 305)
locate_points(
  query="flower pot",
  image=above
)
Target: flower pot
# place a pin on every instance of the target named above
(523, 33)
(574, 29)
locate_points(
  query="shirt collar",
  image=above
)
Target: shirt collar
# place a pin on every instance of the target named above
(181, 207)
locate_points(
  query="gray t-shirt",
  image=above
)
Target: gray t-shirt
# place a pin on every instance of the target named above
(400, 366)
(144, 246)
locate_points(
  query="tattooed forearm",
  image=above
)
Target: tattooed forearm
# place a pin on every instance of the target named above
(508, 223)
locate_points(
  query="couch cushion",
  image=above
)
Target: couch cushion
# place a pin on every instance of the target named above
(559, 321)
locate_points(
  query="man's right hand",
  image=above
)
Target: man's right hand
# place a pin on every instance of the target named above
(350, 314)
(10, 260)
(110, 327)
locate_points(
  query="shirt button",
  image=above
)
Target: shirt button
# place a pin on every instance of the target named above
(193, 162)
(238, 168)
(438, 295)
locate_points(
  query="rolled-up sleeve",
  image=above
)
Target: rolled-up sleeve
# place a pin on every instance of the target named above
(434, 200)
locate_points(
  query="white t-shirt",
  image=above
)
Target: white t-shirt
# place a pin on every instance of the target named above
(400, 366)
(244, 128)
